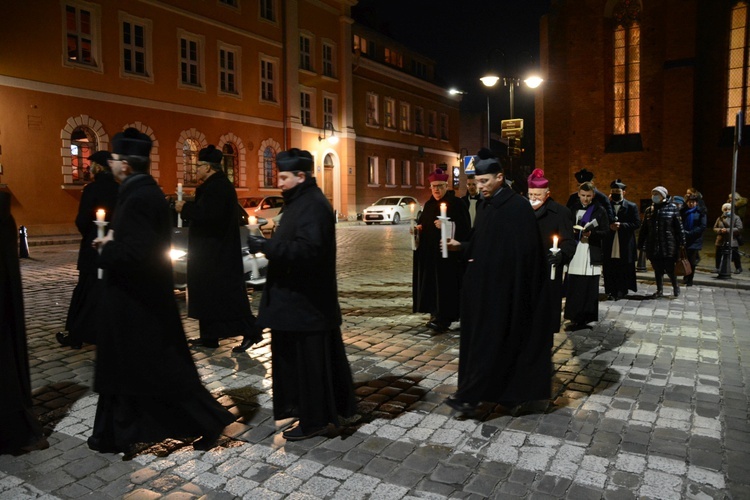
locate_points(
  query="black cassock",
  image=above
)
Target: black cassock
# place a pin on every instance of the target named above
(555, 220)
(18, 425)
(147, 382)
(619, 273)
(436, 281)
(505, 349)
(217, 294)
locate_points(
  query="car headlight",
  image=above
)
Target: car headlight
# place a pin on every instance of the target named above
(176, 254)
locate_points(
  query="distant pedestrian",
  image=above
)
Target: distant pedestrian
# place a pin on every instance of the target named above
(217, 293)
(591, 228)
(436, 282)
(554, 221)
(505, 347)
(620, 247)
(661, 237)
(694, 222)
(148, 386)
(20, 431)
(101, 194)
(312, 380)
(472, 197)
(722, 227)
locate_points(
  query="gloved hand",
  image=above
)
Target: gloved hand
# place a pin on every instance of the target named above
(555, 259)
(256, 243)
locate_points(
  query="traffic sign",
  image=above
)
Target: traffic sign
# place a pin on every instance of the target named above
(513, 123)
(469, 165)
(510, 133)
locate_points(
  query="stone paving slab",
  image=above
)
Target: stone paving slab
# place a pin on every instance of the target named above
(652, 402)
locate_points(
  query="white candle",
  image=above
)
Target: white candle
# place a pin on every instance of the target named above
(252, 220)
(443, 210)
(411, 208)
(444, 237)
(554, 242)
(100, 215)
(179, 191)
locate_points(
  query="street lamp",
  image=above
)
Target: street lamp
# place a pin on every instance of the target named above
(332, 140)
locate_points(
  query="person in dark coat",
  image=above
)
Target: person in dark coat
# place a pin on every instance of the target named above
(148, 386)
(436, 282)
(591, 227)
(312, 380)
(472, 197)
(217, 293)
(554, 221)
(600, 198)
(505, 346)
(20, 431)
(620, 248)
(101, 194)
(661, 237)
(694, 222)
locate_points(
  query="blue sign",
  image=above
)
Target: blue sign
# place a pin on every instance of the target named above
(469, 165)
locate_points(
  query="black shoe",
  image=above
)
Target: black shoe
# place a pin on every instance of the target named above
(438, 326)
(657, 295)
(461, 406)
(296, 433)
(738, 270)
(246, 344)
(201, 342)
(205, 443)
(676, 292)
(66, 341)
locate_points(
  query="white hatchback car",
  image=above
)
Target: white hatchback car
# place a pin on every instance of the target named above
(392, 209)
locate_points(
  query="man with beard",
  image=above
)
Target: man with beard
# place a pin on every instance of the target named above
(619, 248)
(312, 380)
(217, 294)
(148, 386)
(505, 341)
(436, 281)
(554, 221)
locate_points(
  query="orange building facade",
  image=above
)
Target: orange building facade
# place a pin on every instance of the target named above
(233, 73)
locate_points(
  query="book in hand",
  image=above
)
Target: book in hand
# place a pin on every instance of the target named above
(588, 227)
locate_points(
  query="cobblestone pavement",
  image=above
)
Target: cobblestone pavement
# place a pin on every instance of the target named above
(650, 403)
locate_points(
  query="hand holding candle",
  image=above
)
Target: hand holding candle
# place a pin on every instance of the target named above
(444, 229)
(179, 198)
(554, 250)
(100, 225)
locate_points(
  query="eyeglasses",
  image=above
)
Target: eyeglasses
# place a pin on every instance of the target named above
(438, 186)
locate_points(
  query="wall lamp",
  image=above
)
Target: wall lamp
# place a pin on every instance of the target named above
(332, 140)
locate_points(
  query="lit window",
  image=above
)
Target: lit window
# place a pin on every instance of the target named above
(190, 150)
(269, 167)
(738, 80)
(394, 57)
(82, 33)
(229, 160)
(83, 143)
(626, 62)
(390, 109)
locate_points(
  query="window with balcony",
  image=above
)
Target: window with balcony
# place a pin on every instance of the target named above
(82, 34)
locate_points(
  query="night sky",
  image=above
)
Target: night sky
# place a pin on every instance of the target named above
(461, 36)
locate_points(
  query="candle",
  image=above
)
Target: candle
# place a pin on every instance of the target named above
(444, 237)
(443, 210)
(554, 242)
(100, 215)
(252, 220)
(411, 208)
(179, 191)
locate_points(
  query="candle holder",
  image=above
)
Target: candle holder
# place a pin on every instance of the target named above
(444, 234)
(100, 225)
(553, 268)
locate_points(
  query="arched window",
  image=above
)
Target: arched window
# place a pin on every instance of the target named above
(626, 68)
(83, 143)
(269, 167)
(738, 86)
(190, 150)
(230, 163)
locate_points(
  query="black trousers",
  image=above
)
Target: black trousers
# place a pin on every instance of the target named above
(661, 267)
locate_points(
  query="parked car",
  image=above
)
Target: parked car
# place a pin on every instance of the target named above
(254, 265)
(392, 209)
(266, 207)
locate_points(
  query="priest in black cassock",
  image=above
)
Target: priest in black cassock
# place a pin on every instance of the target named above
(505, 347)
(20, 431)
(554, 221)
(436, 281)
(148, 386)
(619, 246)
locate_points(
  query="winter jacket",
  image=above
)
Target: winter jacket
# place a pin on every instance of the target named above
(661, 234)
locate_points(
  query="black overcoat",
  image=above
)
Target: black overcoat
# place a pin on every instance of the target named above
(436, 281)
(505, 340)
(555, 220)
(662, 234)
(101, 193)
(142, 349)
(630, 220)
(301, 293)
(216, 283)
